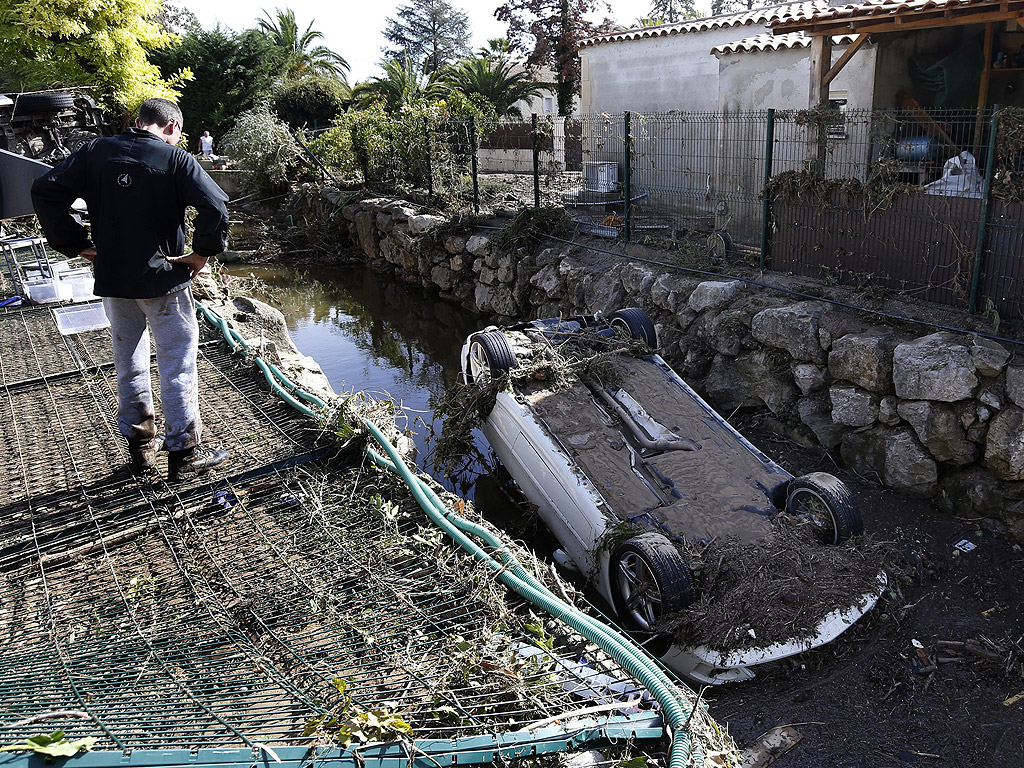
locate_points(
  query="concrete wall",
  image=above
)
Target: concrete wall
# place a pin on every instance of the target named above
(781, 79)
(656, 74)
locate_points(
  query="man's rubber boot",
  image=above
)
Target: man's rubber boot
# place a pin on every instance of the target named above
(184, 465)
(143, 457)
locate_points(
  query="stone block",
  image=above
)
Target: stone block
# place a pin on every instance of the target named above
(478, 245)
(990, 357)
(713, 295)
(935, 367)
(1015, 385)
(663, 293)
(793, 328)
(808, 378)
(366, 230)
(1004, 445)
(455, 244)
(864, 360)
(425, 222)
(888, 412)
(908, 467)
(852, 406)
(940, 430)
(816, 413)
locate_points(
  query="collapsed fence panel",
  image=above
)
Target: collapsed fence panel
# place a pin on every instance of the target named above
(267, 611)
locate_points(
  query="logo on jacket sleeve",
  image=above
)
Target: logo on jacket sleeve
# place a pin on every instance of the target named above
(124, 180)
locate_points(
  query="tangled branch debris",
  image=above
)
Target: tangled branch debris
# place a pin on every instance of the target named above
(778, 589)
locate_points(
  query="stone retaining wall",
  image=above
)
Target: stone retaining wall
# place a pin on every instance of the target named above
(936, 415)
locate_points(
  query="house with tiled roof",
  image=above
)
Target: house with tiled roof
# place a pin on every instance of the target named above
(945, 53)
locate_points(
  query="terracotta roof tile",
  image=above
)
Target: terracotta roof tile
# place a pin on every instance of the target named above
(874, 8)
(766, 41)
(785, 12)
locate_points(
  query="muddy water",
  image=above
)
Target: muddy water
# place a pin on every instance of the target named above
(375, 336)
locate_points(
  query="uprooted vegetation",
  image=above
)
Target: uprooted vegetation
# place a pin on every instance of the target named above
(778, 589)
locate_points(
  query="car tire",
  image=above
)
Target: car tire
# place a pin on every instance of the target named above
(637, 324)
(490, 357)
(44, 102)
(827, 503)
(650, 579)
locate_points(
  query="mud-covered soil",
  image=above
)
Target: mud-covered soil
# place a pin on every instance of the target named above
(870, 699)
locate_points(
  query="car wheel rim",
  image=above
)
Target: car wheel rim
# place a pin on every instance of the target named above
(620, 327)
(479, 368)
(639, 590)
(816, 511)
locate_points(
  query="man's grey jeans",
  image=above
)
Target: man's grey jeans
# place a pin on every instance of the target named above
(172, 322)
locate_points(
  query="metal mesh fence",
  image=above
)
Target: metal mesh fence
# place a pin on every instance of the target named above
(879, 200)
(194, 623)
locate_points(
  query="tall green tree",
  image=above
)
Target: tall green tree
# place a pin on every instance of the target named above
(500, 81)
(551, 31)
(231, 72)
(433, 33)
(106, 44)
(303, 57)
(403, 84)
(310, 102)
(673, 11)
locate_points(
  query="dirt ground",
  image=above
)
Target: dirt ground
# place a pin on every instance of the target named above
(870, 699)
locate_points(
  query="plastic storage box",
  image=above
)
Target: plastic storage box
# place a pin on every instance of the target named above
(81, 318)
(48, 289)
(82, 282)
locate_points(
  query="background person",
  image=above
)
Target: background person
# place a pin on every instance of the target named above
(206, 144)
(136, 186)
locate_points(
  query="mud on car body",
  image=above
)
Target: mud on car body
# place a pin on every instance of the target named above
(626, 474)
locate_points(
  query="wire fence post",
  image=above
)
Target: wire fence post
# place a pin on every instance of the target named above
(986, 194)
(536, 163)
(766, 208)
(472, 147)
(625, 179)
(430, 168)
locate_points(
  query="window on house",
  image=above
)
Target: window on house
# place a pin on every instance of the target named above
(549, 105)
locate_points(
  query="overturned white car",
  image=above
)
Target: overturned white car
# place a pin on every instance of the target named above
(628, 473)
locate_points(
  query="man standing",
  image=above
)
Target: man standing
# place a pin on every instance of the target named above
(206, 144)
(137, 186)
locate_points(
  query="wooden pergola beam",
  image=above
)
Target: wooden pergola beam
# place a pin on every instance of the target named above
(925, 19)
(847, 55)
(821, 57)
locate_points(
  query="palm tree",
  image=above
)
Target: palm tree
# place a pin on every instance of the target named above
(402, 84)
(496, 48)
(283, 31)
(500, 81)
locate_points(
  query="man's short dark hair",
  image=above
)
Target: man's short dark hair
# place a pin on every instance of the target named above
(159, 112)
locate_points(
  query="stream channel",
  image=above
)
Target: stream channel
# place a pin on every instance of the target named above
(393, 341)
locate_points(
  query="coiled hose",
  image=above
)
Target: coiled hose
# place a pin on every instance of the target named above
(509, 571)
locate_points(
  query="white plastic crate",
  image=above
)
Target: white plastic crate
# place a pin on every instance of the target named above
(82, 282)
(81, 318)
(48, 289)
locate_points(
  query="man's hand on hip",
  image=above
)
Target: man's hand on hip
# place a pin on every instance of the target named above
(89, 254)
(193, 261)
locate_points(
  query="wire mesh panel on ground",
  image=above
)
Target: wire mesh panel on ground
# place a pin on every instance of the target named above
(298, 608)
(226, 619)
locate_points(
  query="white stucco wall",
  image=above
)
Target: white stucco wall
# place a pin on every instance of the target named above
(782, 79)
(656, 74)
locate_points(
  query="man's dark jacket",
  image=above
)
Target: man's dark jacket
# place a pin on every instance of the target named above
(136, 187)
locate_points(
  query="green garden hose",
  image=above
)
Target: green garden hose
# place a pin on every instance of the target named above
(507, 568)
